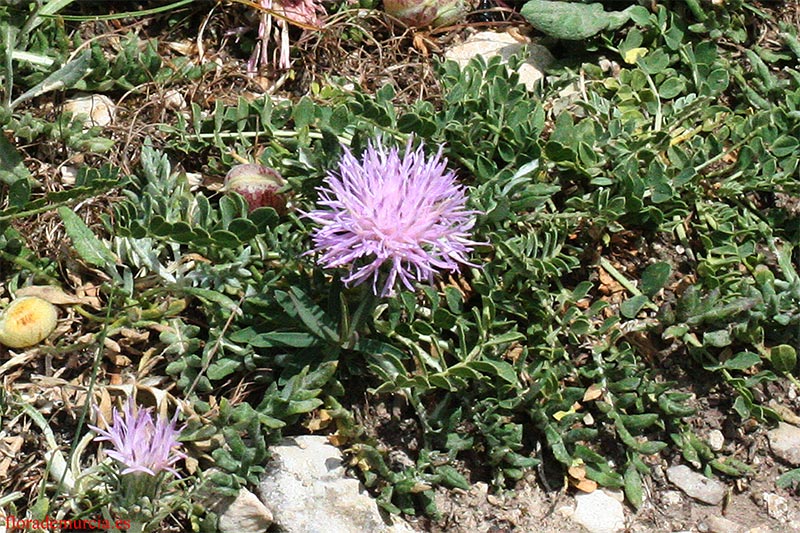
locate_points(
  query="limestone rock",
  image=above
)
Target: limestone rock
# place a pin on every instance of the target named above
(245, 514)
(785, 443)
(307, 490)
(696, 485)
(599, 513)
(489, 44)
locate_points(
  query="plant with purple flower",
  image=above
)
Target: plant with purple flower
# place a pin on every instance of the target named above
(405, 214)
(147, 448)
(140, 443)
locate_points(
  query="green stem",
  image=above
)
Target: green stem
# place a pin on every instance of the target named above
(27, 265)
(622, 280)
(363, 312)
(127, 14)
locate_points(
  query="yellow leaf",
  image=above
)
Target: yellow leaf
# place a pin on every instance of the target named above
(632, 55)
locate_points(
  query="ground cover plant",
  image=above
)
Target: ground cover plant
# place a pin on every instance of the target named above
(555, 283)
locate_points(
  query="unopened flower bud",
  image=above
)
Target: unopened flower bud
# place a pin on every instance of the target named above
(258, 184)
(419, 13)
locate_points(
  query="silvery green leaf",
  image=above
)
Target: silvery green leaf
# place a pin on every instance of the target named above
(572, 21)
(63, 78)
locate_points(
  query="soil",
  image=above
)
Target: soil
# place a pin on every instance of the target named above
(753, 503)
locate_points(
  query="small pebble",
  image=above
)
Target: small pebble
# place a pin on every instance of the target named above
(599, 513)
(696, 485)
(777, 506)
(720, 524)
(785, 443)
(174, 100)
(670, 498)
(716, 440)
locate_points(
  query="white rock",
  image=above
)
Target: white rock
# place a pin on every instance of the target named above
(716, 440)
(68, 175)
(599, 513)
(696, 485)
(785, 442)
(489, 44)
(720, 524)
(306, 489)
(777, 507)
(174, 100)
(245, 514)
(92, 110)
(671, 497)
(566, 511)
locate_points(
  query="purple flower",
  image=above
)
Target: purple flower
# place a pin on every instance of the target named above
(141, 444)
(405, 212)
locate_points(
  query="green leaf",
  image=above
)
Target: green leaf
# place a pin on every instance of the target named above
(558, 152)
(717, 80)
(243, 228)
(303, 113)
(789, 479)
(19, 193)
(297, 303)
(89, 247)
(557, 444)
(639, 422)
(63, 78)
(742, 361)
(212, 297)
(633, 486)
(413, 123)
(293, 339)
(224, 460)
(497, 368)
(572, 21)
(784, 145)
(631, 307)
(784, 358)
(505, 338)
(452, 478)
(12, 168)
(655, 277)
(222, 368)
(654, 62)
(719, 338)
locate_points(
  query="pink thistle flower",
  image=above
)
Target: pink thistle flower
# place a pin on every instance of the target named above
(404, 212)
(140, 443)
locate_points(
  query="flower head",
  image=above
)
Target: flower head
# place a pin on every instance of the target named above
(304, 13)
(140, 443)
(405, 212)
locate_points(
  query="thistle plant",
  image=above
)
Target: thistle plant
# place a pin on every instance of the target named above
(303, 13)
(384, 212)
(146, 450)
